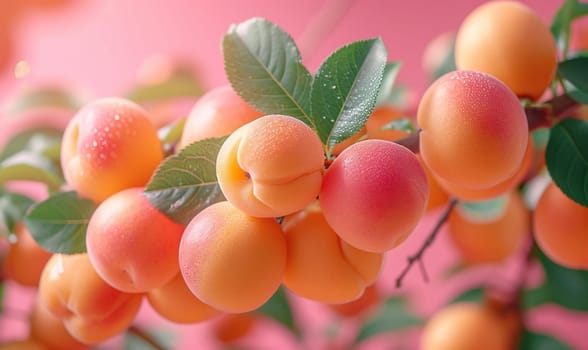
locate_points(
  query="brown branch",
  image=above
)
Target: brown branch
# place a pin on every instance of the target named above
(417, 257)
(145, 337)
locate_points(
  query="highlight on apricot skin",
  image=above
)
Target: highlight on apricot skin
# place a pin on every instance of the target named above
(320, 266)
(176, 303)
(25, 259)
(561, 228)
(466, 326)
(474, 130)
(271, 166)
(374, 194)
(217, 113)
(508, 40)
(230, 260)
(494, 240)
(132, 245)
(92, 311)
(108, 146)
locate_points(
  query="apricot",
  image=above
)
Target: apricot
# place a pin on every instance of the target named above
(494, 240)
(561, 228)
(438, 196)
(320, 266)
(374, 194)
(132, 245)
(109, 145)
(217, 113)
(176, 303)
(474, 130)
(49, 330)
(24, 344)
(271, 166)
(92, 310)
(358, 307)
(501, 188)
(25, 259)
(508, 40)
(466, 326)
(380, 117)
(229, 328)
(230, 260)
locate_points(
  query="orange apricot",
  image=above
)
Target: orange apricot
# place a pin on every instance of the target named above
(466, 326)
(217, 113)
(231, 327)
(92, 310)
(176, 303)
(437, 195)
(49, 330)
(108, 146)
(508, 40)
(132, 245)
(493, 240)
(320, 266)
(25, 259)
(230, 260)
(373, 195)
(24, 344)
(376, 122)
(358, 307)
(561, 228)
(271, 166)
(474, 130)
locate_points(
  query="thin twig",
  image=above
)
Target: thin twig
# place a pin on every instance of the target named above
(146, 337)
(417, 257)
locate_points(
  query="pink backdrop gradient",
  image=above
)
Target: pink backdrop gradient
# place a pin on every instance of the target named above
(96, 47)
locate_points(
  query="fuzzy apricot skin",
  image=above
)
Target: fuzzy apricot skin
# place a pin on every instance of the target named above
(132, 245)
(230, 260)
(561, 228)
(108, 146)
(271, 166)
(508, 40)
(217, 113)
(322, 267)
(474, 130)
(374, 194)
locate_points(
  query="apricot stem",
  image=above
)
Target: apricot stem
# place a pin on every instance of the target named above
(418, 256)
(145, 337)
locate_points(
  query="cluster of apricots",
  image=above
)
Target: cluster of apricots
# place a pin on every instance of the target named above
(292, 216)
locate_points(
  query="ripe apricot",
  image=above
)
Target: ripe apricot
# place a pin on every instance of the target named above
(217, 113)
(132, 245)
(561, 228)
(474, 130)
(508, 40)
(437, 195)
(231, 327)
(380, 117)
(49, 330)
(24, 344)
(271, 166)
(108, 146)
(466, 326)
(494, 240)
(92, 311)
(358, 307)
(230, 260)
(176, 303)
(25, 259)
(320, 266)
(374, 194)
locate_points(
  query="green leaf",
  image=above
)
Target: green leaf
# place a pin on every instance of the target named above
(13, 207)
(484, 210)
(474, 295)
(448, 64)
(44, 97)
(43, 141)
(390, 73)
(562, 21)
(538, 341)
(393, 315)
(574, 70)
(279, 309)
(265, 68)
(171, 134)
(29, 166)
(1, 295)
(182, 83)
(345, 89)
(401, 124)
(133, 340)
(59, 223)
(567, 158)
(186, 183)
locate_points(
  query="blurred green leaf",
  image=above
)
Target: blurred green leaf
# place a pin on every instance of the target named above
(448, 64)
(388, 82)
(393, 315)
(186, 183)
(401, 124)
(474, 295)
(484, 210)
(345, 89)
(265, 68)
(182, 83)
(537, 341)
(567, 158)
(562, 21)
(44, 97)
(59, 223)
(13, 207)
(171, 134)
(574, 70)
(278, 308)
(30, 166)
(43, 141)
(135, 338)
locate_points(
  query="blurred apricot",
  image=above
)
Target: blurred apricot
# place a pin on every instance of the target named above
(49, 330)
(380, 117)
(25, 344)
(358, 307)
(25, 259)
(231, 327)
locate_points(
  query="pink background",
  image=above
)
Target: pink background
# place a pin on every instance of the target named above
(96, 46)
